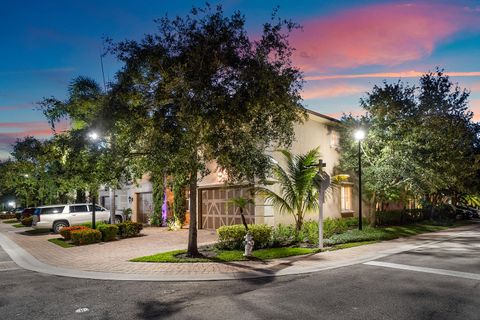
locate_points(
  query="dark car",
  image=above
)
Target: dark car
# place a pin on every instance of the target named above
(18, 213)
(27, 212)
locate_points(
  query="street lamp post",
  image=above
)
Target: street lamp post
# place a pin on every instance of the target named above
(93, 136)
(359, 136)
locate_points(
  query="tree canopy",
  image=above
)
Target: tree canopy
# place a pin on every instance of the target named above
(421, 141)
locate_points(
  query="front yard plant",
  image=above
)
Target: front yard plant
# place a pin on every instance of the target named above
(85, 236)
(129, 229)
(232, 237)
(27, 221)
(66, 232)
(109, 231)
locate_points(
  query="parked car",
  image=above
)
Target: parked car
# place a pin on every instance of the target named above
(467, 212)
(18, 213)
(55, 217)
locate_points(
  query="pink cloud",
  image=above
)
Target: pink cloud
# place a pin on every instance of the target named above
(474, 87)
(385, 34)
(475, 107)
(400, 74)
(337, 90)
(18, 130)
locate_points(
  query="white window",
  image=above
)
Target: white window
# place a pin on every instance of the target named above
(346, 197)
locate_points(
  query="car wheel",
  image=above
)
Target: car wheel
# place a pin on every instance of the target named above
(118, 220)
(59, 225)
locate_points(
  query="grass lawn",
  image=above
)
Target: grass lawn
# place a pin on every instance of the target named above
(61, 242)
(10, 221)
(213, 255)
(18, 225)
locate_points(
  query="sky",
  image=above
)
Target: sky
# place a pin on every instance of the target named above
(344, 48)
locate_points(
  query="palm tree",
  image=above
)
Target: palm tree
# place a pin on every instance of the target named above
(241, 203)
(298, 194)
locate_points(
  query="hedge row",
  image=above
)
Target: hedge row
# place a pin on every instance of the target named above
(409, 216)
(80, 235)
(232, 237)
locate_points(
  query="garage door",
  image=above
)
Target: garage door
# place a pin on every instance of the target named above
(216, 211)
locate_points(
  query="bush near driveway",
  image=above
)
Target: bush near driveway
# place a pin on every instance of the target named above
(89, 224)
(85, 236)
(66, 231)
(7, 216)
(129, 229)
(27, 221)
(232, 237)
(109, 232)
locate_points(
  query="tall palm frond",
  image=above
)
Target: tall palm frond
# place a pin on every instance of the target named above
(298, 193)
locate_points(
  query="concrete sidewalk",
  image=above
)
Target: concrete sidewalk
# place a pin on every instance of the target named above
(109, 261)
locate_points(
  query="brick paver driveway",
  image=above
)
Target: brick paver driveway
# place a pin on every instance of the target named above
(106, 256)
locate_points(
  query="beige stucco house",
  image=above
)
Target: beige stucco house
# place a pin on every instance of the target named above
(214, 209)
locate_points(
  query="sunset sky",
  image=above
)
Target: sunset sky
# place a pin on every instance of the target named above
(344, 49)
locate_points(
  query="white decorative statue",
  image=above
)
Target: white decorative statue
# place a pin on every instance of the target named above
(248, 245)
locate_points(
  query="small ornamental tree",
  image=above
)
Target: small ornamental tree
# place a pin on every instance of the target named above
(298, 194)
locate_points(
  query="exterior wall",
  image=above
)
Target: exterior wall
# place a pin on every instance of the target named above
(314, 132)
(127, 196)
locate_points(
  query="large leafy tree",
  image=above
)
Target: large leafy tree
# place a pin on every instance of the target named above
(90, 162)
(421, 141)
(200, 91)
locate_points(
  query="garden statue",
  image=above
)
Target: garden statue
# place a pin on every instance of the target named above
(248, 245)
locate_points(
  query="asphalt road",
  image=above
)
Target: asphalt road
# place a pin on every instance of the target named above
(355, 292)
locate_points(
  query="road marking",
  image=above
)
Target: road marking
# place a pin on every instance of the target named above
(458, 274)
(82, 310)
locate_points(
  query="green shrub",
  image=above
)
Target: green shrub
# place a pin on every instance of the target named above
(352, 222)
(129, 229)
(66, 232)
(367, 234)
(284, 235)
(400, 217)
(89, 224)
(85, 236)
(27, 221)
(8, 216)
(232, 237)
(109, 231)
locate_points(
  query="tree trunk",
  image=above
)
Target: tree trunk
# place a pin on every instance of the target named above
(192, 250)
(112, 205)
(299, 223)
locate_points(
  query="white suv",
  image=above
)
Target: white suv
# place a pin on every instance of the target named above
(56, 217)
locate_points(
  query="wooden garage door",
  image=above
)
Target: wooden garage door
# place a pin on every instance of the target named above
(216, 211)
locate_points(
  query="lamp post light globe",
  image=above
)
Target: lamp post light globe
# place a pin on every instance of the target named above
(93, 135)
(359, 135)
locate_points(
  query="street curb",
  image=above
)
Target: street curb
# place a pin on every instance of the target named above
(26, 261)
